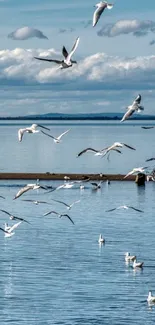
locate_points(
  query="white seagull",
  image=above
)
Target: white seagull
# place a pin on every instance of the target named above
(150, 298)
(56, 139)
(101, 6)
(101, 240)
(137, 264)
(69, 206)
(136, 170)
(116, 145)
(97, 152)
(12, 217)
(30, 129)
(67, 62)
(133, 108)
(129, 258)
(9, 229)
(27, 188)
(96, 186)
(125, 207)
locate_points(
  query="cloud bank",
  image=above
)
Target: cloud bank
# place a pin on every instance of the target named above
(98, 71)
(135, 27)
(25, 33)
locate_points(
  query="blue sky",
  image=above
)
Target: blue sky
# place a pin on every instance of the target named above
(115, 59)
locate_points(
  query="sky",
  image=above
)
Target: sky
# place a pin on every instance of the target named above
(115, 59)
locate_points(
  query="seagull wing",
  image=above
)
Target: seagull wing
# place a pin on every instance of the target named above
(4, 230)
(64, 52)
(66, 215)
(21, 219)
(22, 191)
(130, 173)
(74, 203)
(44, 127)
(2, 197)
(126, 145)
(48, 60)
(60, 136)
(49, 135)
(150, 159)
(46, 214)
(60, 202)
(137, 100)
(135, 209)
(20, 134)
(14, 226)
(94, 184)
(97, 13)
(9, 214)
(85, 150)
(111, 210)
(73, 49)
(127, 114)
(147, 127)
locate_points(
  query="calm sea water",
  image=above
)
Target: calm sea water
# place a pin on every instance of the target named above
(54, 272)
(38, 153)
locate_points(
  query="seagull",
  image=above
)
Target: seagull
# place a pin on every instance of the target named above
(58, 139)
(37, 202)
(69, 206)
(97, 152)
(101, 240)
(12, 217)
(136, 170)
(150, 298)
(66, 185)
(59, 215)
(9, 230)
(66, 62)
(133, 108)
(30, 129)
(27, 188)
(96, 186)
(116, 145)
(137, 264)
(101, 6)
(125, 207)
(129, 258)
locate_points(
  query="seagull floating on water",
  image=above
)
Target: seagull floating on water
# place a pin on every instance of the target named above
(101, 240)
(59, 215)
(101, 6)
(150, 298)
(133, 108)
(30, 129)
(137, 264)
(136, 170)
(9, 229)
(125, 207)
(129, 258)
(67, 62)
(58, 139)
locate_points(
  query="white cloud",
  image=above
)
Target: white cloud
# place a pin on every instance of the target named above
(98, 71)
(26, 32)
(136, 27)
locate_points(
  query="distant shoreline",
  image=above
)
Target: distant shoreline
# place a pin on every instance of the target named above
(61, 176)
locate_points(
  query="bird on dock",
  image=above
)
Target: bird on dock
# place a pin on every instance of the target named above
(66, 62)
(30, 129)
(136, 171)
(129, 258)
(59, 215)
(150, 298)
(56, 139)
(12, 217)
(101, 6)
(125, 207)
(9, 229)
(135, 107)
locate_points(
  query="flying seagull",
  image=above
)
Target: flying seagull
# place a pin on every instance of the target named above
(97, 152)
(27, 188)
(133, 108)
(69, 206)
(101, 6)
(125, 207)
(96, 186)
(66, 62)
(30, 129)
(12, 217)
(37, 202)
(136, 170)
(9, 229)
(116, 145)
(58, 139)
(59, 215)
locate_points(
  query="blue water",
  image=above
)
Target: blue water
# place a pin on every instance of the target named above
(38, 153)
(54, 272)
